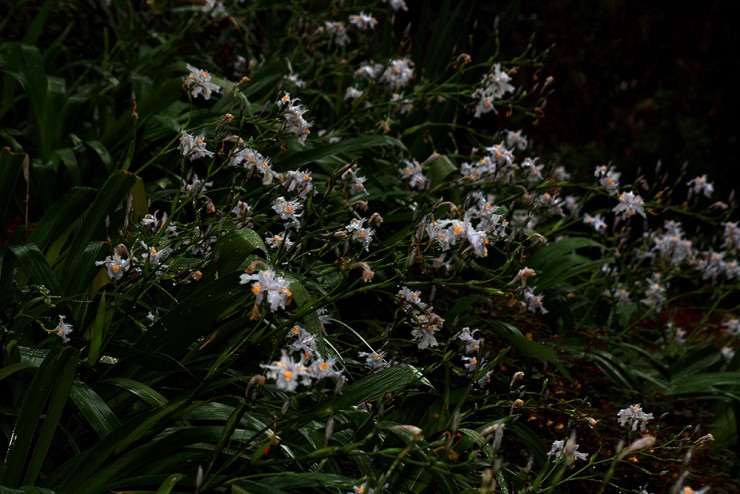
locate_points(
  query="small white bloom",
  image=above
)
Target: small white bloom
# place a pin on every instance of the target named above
(634, 417)
(700, 185)
(629, 205)
(287, 373)
(375, 360)
(193, 147)
(63, 329)
(199, 83)
(267, 284)
(363, 21)
(561, 450)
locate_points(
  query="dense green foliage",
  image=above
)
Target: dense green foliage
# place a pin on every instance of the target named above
(279, 246)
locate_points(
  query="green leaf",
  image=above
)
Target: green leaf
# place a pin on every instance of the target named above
(32, 261)
(61, 216)
(97, 330)
(11, 369)
(94, 409)
(233, 248)
(146, 393)
(440, 169)
(343, 150)
(83, 251)
(193, 317)
(558, 261)
(388, 380)
(168, 484)
(39, 416)
(11, 166)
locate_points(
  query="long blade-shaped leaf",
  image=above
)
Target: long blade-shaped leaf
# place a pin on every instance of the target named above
(50, 384)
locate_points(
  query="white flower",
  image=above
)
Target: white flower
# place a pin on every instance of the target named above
(324, 368)
(410, 299)
(288, 210)
(287, 373)
(414, 173)
(472, 345)
(701, 185)
(471, 363)
(352, 93)
(363, 21)
(633, 417)
(215, 8)
(115, 265)
(495, 85)
(300, 181)
(267, 283)
(534, 302)
(360, 233)
(397, 4)
(339, 31)
(375, 360)
(63, 329)
(199, 83)
(426, 325)
(514, 138)
(275, 241)
(293, 115)
(153, 255)
(305, 342)
(356, 182)
(597, 222)
(561, 449)
(193, 147)
(608, 178)
(398, 74)
(629, 205)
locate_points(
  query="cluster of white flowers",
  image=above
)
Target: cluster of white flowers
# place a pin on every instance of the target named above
(117, 265)
(608, 178)
(301, 182)
(292, 112)
(655, 293)
(448, 232)
(426, 323)
(193, 147)
(472, 351)
(495, 85)
(671, 246)
(268, 284)
(363, 21)
(398, 73)
(252, 159)
(215, 8)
